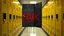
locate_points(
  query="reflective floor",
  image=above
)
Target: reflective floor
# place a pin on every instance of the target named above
(33, 31)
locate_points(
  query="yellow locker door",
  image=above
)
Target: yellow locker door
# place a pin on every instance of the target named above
(53, 19)
(0, 17)
(17, 17)
(10, 22)
(62, 17)
(10, 18)
(50, 20)
(47, 21)
(4, 18)
(58, 17)
(43, 19)
(14, 18)
(20, 10)
(21, 15)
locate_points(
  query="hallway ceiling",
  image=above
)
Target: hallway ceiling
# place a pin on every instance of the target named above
(28, 1)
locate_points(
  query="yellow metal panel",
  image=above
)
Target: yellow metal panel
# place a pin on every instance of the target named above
(0, 17)
(4, 25)
(58, 20)
(62, 18)
(53, 19)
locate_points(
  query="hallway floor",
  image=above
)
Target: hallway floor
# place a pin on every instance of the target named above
(33, 31)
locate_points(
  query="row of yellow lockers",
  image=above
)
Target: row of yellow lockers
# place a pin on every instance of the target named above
(53, 17)
(10, 18)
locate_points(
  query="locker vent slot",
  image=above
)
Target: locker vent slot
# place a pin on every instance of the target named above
(56, 16)
(49, 17)
(46, 16)
(10, 16)
(52, 16)
(16, 17)
(4, 16)
(63, 15)
(13, 16)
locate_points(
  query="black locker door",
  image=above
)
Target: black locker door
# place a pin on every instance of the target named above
(28, 15)
(38, 15)
(32, 15)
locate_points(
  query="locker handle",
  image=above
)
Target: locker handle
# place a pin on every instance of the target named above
(3, 21)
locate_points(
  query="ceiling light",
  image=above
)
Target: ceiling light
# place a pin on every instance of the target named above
(33, 2)
(20, 7)
(50, 2)
(45, 6)
(16, 2)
